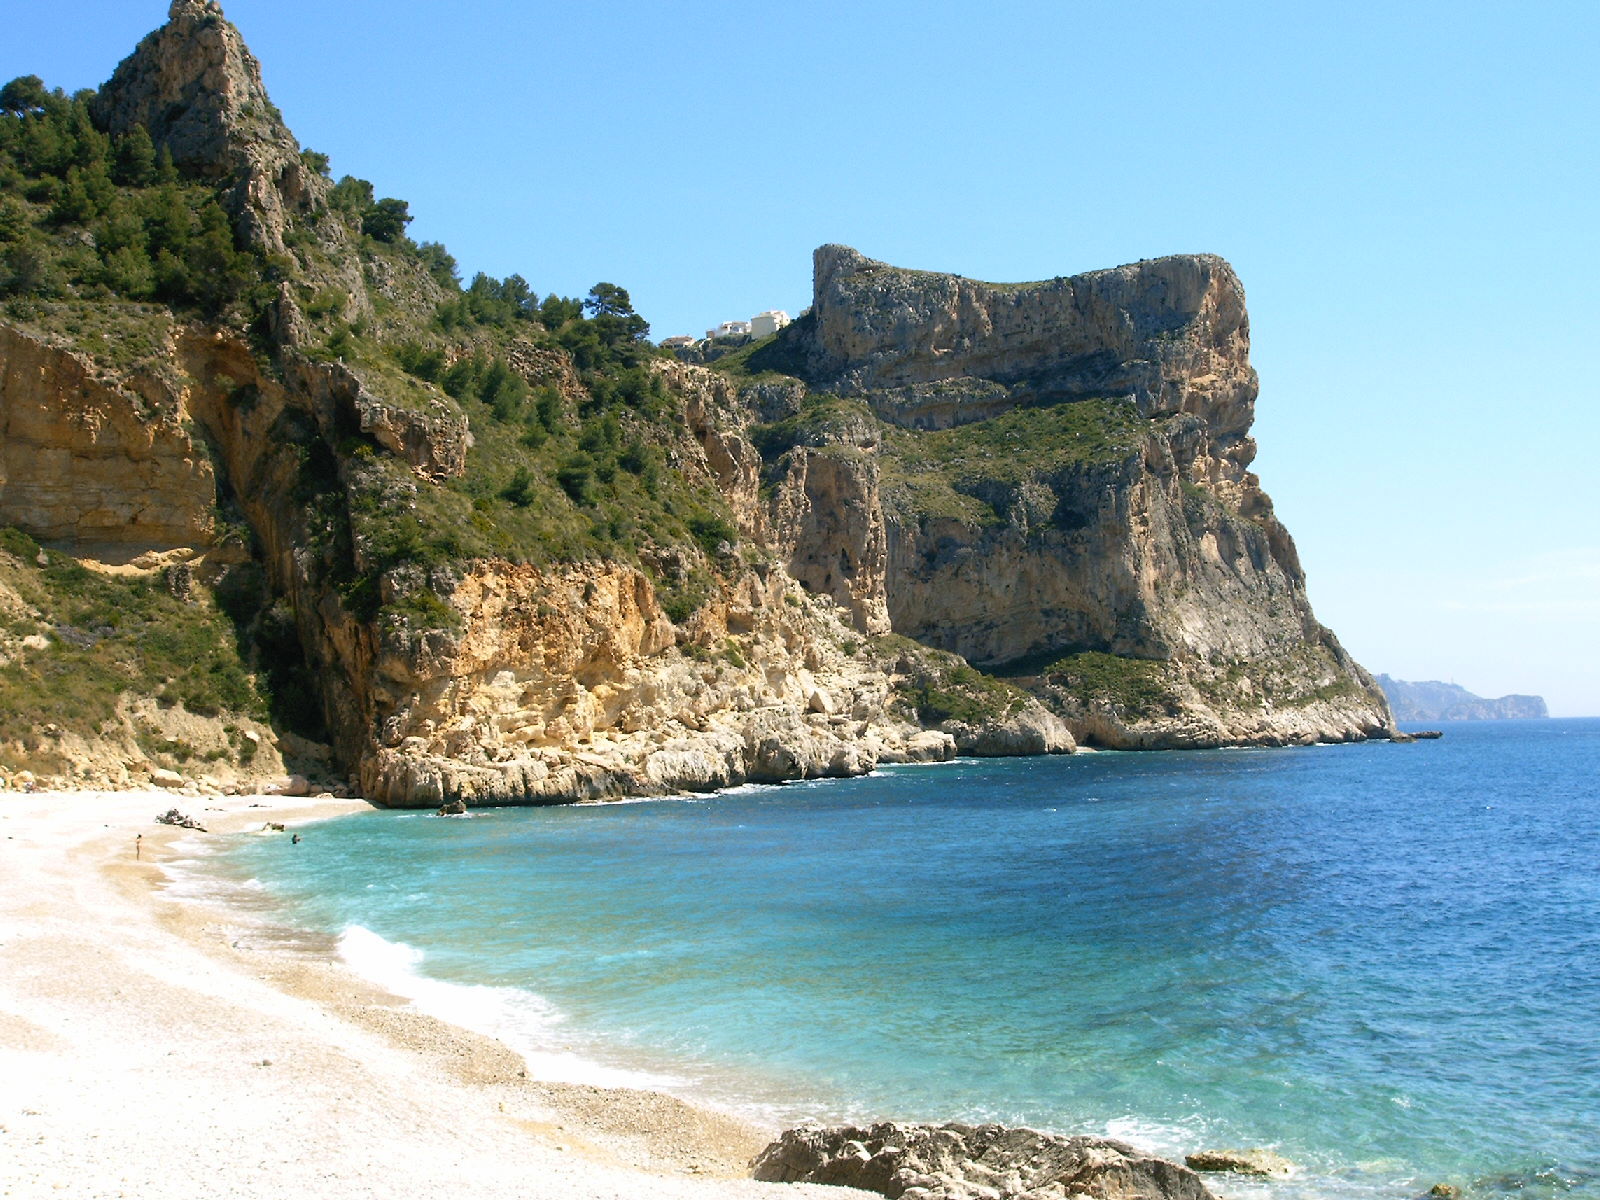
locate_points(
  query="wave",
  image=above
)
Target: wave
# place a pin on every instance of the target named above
(520, 1019)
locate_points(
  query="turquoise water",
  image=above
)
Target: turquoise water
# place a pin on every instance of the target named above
(1382, 960)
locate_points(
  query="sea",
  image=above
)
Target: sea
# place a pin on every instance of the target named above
(1380, 960)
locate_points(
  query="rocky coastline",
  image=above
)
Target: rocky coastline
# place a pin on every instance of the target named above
(528, 558)
(973, 1162)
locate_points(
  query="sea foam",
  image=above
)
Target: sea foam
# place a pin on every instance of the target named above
(520, 1019)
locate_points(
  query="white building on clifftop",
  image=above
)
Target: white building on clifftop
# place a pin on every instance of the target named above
(759, 326)
(729, 329)
(768, 323)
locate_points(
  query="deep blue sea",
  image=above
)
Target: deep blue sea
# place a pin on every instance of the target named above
(1381, 960)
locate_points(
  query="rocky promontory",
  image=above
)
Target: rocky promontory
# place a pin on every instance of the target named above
(1059, 471)
(1435, 701)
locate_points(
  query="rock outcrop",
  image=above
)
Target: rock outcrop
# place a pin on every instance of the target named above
(935, 349)
(973, 1162)
(93, 460)
(1267, 1164)
(195, 86)
(569, 685)
(1061, 468)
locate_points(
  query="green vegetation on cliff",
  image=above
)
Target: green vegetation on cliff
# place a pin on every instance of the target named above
(1137, 687)
(960, 472)
(75, 644)
(87, 216)
(936, 686)
(1290, 679)
(962, 693)
(823, 419)
(775, 358)
(574, 438)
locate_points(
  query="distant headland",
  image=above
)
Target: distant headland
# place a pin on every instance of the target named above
(1435, 701)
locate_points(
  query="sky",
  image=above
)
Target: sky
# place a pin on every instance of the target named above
(1410, 192)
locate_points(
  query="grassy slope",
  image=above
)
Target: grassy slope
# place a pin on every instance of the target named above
(105, 637)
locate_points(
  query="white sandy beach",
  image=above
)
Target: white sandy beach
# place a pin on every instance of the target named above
(145, 1054)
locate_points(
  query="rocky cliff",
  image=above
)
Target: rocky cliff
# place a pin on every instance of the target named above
(1435, 701)
(501, 551)
(1059, 471)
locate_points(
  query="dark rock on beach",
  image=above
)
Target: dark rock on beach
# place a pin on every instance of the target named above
(173, 817)
(973, 1162)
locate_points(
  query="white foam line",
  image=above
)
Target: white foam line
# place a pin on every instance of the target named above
(516, 1017)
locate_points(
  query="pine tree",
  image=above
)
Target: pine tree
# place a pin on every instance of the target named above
(136, 158)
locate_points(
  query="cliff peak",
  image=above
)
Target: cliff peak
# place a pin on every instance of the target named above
(835, 262)
(195, 86)
(192, 9)
(939, 348)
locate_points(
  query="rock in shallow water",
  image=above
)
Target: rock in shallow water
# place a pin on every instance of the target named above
(1241, 1162)
(973, 1162)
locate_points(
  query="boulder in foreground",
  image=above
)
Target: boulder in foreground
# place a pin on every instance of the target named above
(973, 1162)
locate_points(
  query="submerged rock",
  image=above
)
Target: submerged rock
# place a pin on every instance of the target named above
(1242, 1162)
(973, 1162)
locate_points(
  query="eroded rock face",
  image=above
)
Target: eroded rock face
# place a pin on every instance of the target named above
(570, 684)
(967, 1162)
(1165, 549)
(712, 414)
(90, 460)
(433, 439)
(1171, 332)
(830, 521)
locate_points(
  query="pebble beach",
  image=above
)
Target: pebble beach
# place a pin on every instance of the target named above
(148, 1050)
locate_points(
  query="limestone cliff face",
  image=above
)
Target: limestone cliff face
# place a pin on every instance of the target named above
(1155, 544)
(1171, 332)
(96, 461)
(550, 684)
(1049, 478)
(570, 684)
(830, 519)
(933, 350)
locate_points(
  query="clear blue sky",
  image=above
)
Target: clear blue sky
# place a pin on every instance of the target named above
(1408, 190)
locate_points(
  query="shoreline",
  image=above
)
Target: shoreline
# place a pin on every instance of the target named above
(148, 1049)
